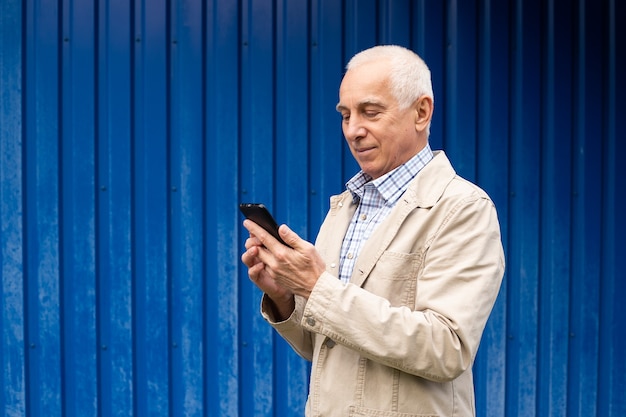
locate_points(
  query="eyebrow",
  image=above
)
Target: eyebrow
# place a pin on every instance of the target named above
(367, 102)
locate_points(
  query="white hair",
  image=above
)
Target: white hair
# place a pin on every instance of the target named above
(409, 75)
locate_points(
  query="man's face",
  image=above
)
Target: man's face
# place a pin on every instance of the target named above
(381, 137)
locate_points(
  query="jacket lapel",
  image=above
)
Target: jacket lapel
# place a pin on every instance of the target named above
(423, 192)
(330, 236)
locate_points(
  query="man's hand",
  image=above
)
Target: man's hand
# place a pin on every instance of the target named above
(278, 270)
(282, 297)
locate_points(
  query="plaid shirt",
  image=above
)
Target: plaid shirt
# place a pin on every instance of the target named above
(375, 199)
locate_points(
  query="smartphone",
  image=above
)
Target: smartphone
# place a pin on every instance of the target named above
(259, 214)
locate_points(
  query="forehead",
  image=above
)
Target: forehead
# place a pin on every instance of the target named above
(367, 83)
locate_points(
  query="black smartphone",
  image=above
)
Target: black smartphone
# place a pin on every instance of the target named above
(259, 214)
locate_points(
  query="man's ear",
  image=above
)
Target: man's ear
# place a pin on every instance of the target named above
(424, 107)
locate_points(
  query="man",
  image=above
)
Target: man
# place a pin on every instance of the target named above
(391, 302)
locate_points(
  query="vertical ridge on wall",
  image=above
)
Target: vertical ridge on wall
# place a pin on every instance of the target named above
(13, 385)
(186, 207)
(611, 401)
(555, 211)
(77, 210)
(42, 327)
(257, 176)
(394, 21)
(430, 42)
(151, 338)
(460, 87)
(326, 143)
(291, 171)
(586, 216)
(524, 204)
(113, 210)
(222, 218)
(492, 173)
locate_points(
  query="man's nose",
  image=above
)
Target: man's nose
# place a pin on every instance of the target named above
(353, 128)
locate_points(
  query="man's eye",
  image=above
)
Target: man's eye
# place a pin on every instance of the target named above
(345, 117)
(371, 114)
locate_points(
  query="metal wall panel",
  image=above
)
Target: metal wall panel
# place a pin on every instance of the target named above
(12, 319)
(129, 131)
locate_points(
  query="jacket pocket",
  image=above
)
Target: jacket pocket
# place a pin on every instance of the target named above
(394, 277)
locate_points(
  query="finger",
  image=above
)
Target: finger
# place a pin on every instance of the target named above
(252, 241)
(261, 234)
(289, 236)
(251, 256)
(254, 272)
(253, 228)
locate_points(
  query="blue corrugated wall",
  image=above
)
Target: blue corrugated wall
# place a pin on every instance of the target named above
(130, 130)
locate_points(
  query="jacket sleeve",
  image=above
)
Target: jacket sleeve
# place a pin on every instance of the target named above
(436, 338)
(290, 329)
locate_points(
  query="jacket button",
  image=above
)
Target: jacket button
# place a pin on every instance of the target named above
(310, 321)
(330, 343)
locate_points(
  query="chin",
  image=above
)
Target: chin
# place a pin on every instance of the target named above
(373, 174)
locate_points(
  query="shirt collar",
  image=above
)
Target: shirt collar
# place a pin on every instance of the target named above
(394, 183)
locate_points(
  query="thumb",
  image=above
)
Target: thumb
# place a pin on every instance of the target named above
(289, 236)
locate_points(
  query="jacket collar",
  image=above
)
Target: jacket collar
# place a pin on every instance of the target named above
(429, 184)
(424, 191)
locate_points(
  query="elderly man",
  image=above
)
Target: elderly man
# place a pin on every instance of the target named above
(391, 302)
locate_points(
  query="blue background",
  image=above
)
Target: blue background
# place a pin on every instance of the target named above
(130, 131)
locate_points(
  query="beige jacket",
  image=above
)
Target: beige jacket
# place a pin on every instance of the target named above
(401, 338)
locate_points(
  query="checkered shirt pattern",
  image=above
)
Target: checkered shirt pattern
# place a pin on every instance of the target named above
(375, 199)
